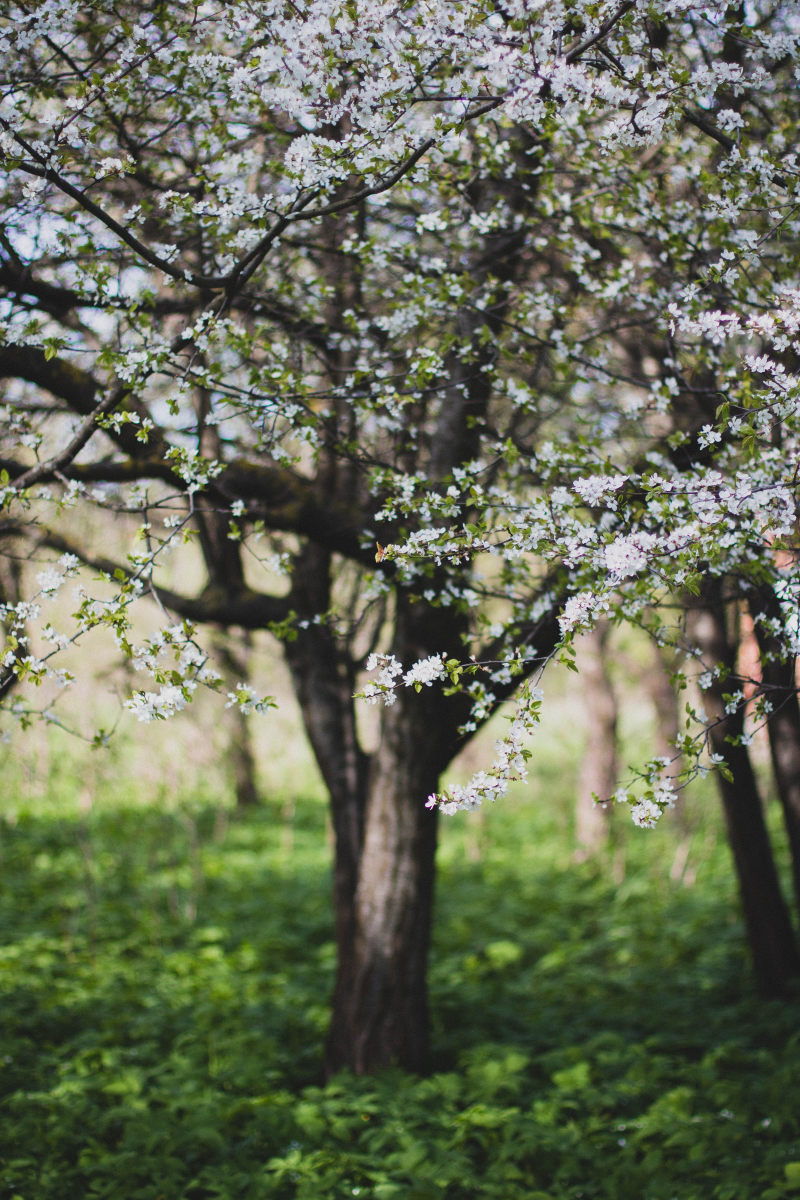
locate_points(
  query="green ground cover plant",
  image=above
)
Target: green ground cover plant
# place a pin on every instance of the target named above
(165, 981)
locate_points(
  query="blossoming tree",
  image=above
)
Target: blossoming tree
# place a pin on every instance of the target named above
(474, 322)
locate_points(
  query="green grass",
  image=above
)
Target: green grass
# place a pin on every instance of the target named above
(165, 974)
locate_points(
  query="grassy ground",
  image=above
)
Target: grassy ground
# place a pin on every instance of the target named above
(165, 972)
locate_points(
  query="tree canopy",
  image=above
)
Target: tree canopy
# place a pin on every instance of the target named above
(446, 328)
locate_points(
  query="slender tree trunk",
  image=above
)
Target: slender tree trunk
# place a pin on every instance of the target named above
(667, 706)
(784, 742)
(324, 690)
(779, 679)
(599, 769)
(324, 684)
(240, 738)
(385, 846)
(770, 935)
(667, 709)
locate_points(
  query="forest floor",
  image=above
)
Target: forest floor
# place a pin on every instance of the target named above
(165, 974)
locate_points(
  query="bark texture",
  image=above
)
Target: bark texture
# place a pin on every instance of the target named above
(778, 677)
(385, 837)
(380, 1011)
(599, 769)
(769, 930)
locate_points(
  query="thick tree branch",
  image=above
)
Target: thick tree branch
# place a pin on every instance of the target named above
(285, 502)
(104, 471)
(288, 502)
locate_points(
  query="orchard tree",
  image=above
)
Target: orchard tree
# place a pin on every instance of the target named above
(473, 322)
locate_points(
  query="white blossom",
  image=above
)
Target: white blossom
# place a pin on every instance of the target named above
(49, 581)
(426, 671)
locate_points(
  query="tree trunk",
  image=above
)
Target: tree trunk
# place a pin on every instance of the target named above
(784, 742)
(783, 726)
(240, 753)
(385, 837)
(667, 707)
(769, 930)
(667, 710)
(380, 1009)
(380, 1005)
(385, 846)
(599, 769)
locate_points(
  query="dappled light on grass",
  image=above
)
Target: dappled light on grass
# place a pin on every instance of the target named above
(166, 978)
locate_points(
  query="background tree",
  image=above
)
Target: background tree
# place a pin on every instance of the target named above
(599, 771)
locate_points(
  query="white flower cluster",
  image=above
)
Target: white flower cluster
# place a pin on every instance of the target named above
(15, 617)
(645, 812)
(582, 611)
(425, 672)
(178, 664)
(509, 765)
(391, 674)
(629, 554)
(49, 581)
(382, 688)
(158, 706)
(195, 470)
(247, 700)
(708, 436)
(593, 489)
(51, 578)
(175, 643)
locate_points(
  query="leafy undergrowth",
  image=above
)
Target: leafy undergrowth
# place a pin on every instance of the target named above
(165, 977)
